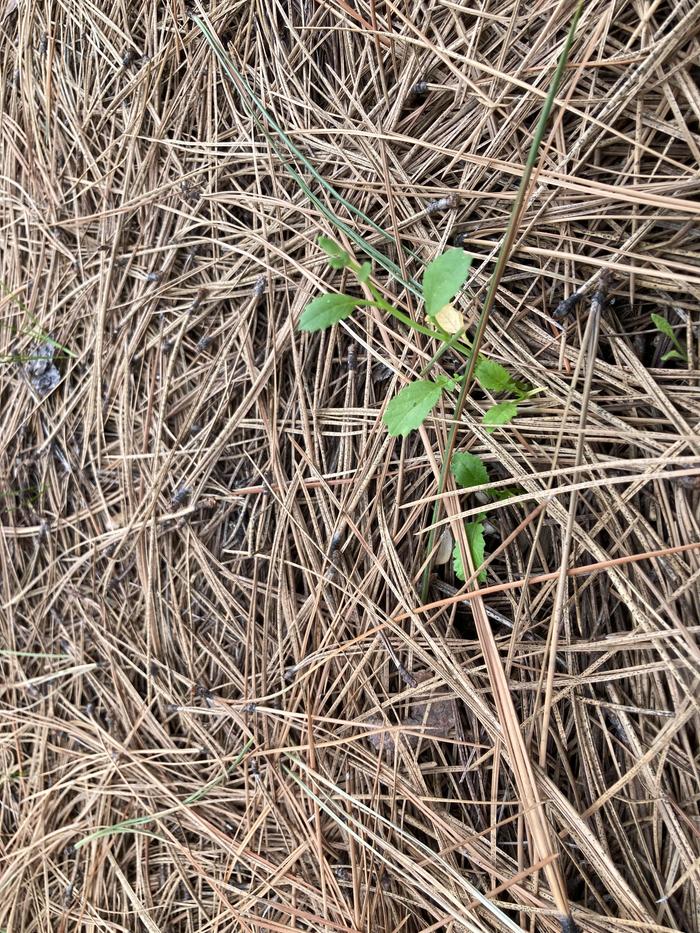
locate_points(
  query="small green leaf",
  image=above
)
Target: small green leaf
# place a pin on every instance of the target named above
(477, 549)
(500, 495)
(503, 413)
(662, 324)
(337, 257)
(468, 470)
(493, 377)
(364, 272)
(674, 355)
(326, 310)
(411, 407)
(443, 278)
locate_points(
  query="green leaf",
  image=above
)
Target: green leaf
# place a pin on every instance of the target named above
(443, 278)
(326, 310)
(674, 355)
(411, 407)
(662, 324)
(500, 495)
(364, 272)
(477, 549)
(503, 413)
(493, 377)
(337, 257)
(468, 470)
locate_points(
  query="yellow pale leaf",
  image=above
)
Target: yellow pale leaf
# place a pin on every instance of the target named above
(444, 551)
(450, 319)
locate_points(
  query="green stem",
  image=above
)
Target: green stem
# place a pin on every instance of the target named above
(385, 305)
(452, 342)
(399, 315)
(503, 255)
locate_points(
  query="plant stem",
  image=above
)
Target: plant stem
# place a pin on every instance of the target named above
(446, 345)
(503, 255)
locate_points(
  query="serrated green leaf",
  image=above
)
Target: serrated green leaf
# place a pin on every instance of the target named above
(326, 310)
(468, 470)
(674, 355)
(502, 413)
(493, 377)
(662, 324)
(411, 407)
(477, 549)
(364, 272)
(443, 278)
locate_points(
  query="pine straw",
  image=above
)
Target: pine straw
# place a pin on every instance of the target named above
(223, 668)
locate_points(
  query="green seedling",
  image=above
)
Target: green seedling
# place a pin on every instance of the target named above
(469, 471)
(443, 279)
(663, 326)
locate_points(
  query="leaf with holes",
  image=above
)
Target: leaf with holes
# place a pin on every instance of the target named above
(412, 406)
(443, 278)
(468, 470)
(477, 549)
(326, 310)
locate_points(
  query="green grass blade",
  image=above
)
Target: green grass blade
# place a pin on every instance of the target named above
(239, 81)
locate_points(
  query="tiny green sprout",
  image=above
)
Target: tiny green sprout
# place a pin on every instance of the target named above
(662, 325)
(443, 279)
